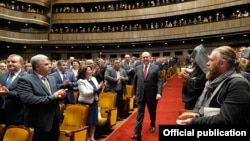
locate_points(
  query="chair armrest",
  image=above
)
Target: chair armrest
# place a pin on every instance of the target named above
(113, 116)
(69, 133)
(182, 111)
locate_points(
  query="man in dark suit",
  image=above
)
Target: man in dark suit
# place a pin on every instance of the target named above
(148, 90)
(41, 97)
(12, 108)
(65, 80)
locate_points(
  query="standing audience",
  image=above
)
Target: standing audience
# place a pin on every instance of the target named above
(147, 90)
(245, 63)
(75, 67)
(12, 109)
(226, 91)
(117, 78)
(245, 60)
(88, 94)
(129, 68)
(65, 80)
(3, 67)
(39, 93)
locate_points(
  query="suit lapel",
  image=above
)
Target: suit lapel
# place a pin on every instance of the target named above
(17, 77)
(141, 70)
(5, 77)
(114, 72)
(59, 77)
(37, 79)
(87, 83)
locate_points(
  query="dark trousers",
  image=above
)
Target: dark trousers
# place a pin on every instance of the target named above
(52, 135)
(140, 114)
(119, 101)
(2, 116)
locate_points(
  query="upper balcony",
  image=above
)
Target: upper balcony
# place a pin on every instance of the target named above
(238, 25)
(44, 3)
(78, 1)
(227, 27)
(25, 17)
(145, 13)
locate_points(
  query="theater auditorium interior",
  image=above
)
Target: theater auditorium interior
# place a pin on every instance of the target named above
(108, 29)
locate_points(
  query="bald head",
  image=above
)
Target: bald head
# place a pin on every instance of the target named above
(146, 57)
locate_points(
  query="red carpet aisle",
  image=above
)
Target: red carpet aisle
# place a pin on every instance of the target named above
(167, 113)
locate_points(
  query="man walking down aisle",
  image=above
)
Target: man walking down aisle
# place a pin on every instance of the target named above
(148, 90)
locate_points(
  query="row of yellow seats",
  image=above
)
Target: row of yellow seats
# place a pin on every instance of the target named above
(74, 127)
(168, 73)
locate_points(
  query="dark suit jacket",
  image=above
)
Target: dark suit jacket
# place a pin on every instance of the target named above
(111, 78)
(70, 87)
(150, 86)
(40, 105)
(193, 85)
(126, 66)
(13, 106)
(233, 99)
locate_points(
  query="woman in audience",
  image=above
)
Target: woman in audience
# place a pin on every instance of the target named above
(88, 95)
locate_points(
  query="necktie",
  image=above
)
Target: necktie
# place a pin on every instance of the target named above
(46, 84)
(145, 71)
(64, 76)
(9, 81)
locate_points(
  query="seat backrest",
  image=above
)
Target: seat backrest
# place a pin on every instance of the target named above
(2, 131)
(18, 133)
(107, 100)
(62, 108)
(129, 89)
(76, 95)
(75, 117)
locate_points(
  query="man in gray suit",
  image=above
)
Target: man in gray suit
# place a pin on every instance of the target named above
(148, 90)
(39, 93)
(117, 78)
(128, 66)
